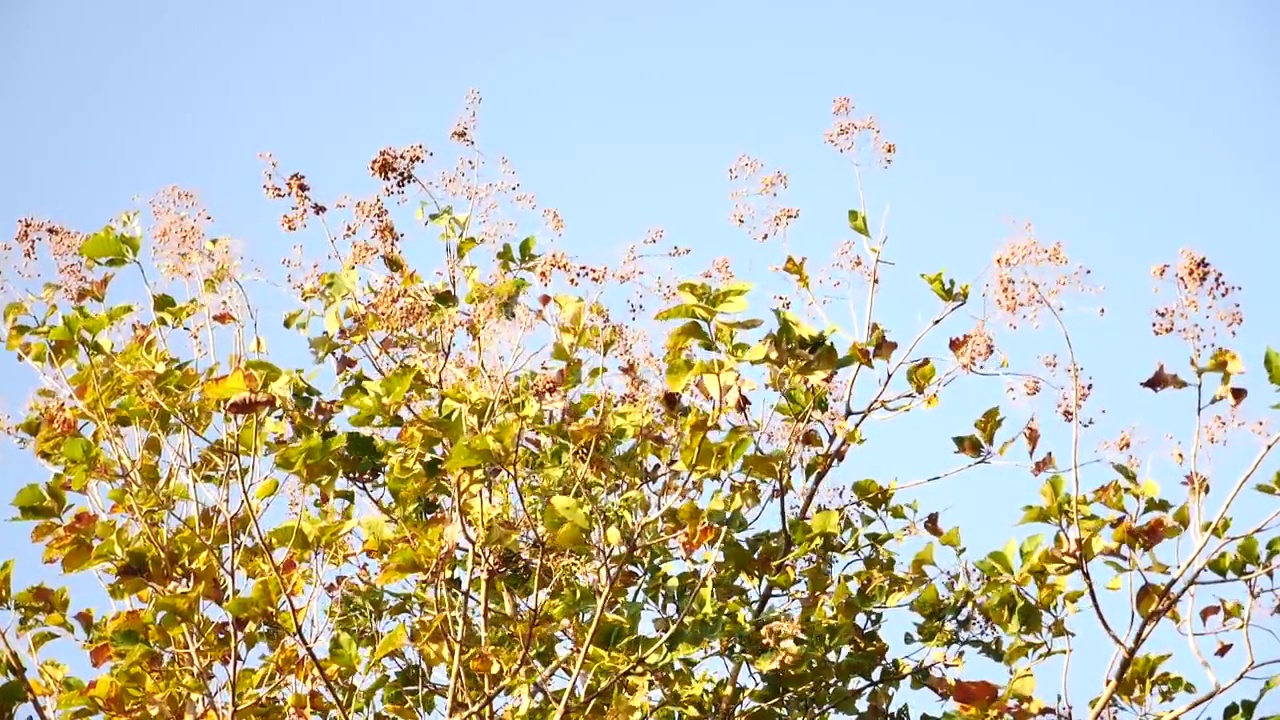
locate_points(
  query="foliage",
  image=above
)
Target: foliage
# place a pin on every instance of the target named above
(490, 495)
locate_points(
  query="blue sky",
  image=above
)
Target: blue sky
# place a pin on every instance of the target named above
(1127, 130)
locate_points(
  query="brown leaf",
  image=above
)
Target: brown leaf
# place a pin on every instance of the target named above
(1196, 483)
(881, 347)
(82, 520)
(1233, 395)
(670, 401)
(85, 618)
(1044, 464)
(931, 525)
(249, 403)
(1152, 533)
(695, 537)
(1207, 612)
(1032, 433)
(1161, 380)
(1223, 649)
(223, 317)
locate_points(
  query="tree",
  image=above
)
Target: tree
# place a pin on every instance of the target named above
(491, 495)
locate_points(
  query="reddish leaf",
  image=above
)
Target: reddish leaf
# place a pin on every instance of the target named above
(100, 654)
(1044, 464)
(974, 692)
(1208, 612)
(931, 525)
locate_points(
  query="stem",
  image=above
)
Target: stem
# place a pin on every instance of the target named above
(19, 669)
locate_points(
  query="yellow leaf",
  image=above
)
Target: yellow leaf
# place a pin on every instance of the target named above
(613, 536)
(570, 536)
(267, 489)
(390, 642)
(1023, 686)
(1147, 599)
(227, 386)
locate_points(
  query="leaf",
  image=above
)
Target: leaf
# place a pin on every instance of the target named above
(1031, 431)
(30, 497)
(1271, 363)
(108, 247)
(826, 522)
(946, 291)
(267, 489)
(795, 268)
(931, 525)
(1223, 361)
(100, 654)
(1207, 612)
(569, 509)
(858, 223)
(974, 692)
(248, 403)
(1161, 380)
(1043, 465)
(6, 582)
(988, 425)
(678, 373)
(921, 374)
(389, 643)
(1146, 600)
(969, 445)
(1023, 685)
(227, 386)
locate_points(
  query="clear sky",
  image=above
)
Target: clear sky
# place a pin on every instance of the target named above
(1127, 130)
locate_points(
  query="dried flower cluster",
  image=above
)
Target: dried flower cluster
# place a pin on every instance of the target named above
(1203, 308)
(761, 223)
(847, 132)
(60, 242)
(180, 244)
(1031, 277)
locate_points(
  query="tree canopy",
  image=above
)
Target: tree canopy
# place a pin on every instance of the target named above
(507, 483)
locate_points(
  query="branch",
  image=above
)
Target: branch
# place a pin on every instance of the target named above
(19, 669)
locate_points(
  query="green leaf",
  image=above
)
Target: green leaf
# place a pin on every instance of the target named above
(858, 223)
(30, 497)
(6, 582)
(921, 374)
(969, 445)
(107, 247)
(988, 425)
(343, 651)
(1271, 363)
